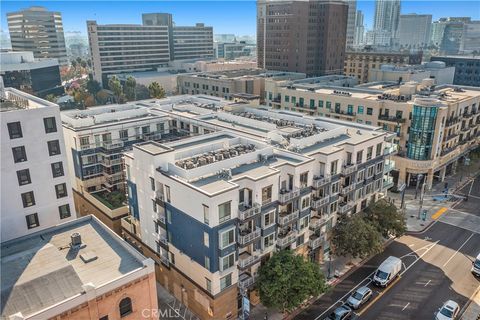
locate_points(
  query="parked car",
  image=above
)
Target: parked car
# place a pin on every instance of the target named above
(387, 271)
(476, 266)
(449, 311)
(341, 313)
(359, 297)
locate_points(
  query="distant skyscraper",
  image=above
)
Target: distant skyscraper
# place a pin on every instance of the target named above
(302, 36)
(38, 30)
(359, 29)
(352, 12)
(387, 15)
(452, 34)
(438, 28)
(471, 37)
(414, 30)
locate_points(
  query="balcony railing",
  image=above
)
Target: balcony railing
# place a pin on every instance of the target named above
(246, 260)
(348, 188)
(349, 169)
(161, 219)
(451, 136)
(345, 207)
(315, 242)
(388, 166)
(388, 182)
(248, 236)
(286, 240)
(319, 181)
(447, 150)
(320, 202)
(248, 212)
(286, 196)
(391, 118)
(285, 218)
(111, 162)
(317, 221)
(451, 121)
(390, 148)
(245, 281)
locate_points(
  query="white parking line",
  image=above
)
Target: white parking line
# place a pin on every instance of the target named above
(406, 306)
(453, 255)
(426, 284)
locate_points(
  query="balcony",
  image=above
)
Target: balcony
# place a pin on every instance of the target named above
(388, 118)
(319, 181)
(343, 113)
(450, 137)
(287, 195)
(344, 207)
(245, 281)
(315, 242)
(349, 169)
(387, 182)
(159, 197)
(285, 217)
(112, 162)
(286, 239)
(317, 221)
(317, 203)
(388, 166)
(451, 121)
(390, 148)
(247, 236)
(246, 212)
(465, 129)
(245, 260)
(162, 239)
(447, 150)
(467, 114)
(347, 189)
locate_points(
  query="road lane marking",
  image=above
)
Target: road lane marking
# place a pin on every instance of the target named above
(453, 255)
(406, 306)
(474, 196)
(426, 284)
(421, 256)
(379, 296)
(437, 214)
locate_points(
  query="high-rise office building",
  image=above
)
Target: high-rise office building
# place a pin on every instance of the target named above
(289, 41)
(352, 13)
(38, 30)
(471, 37)
(359, 29)
(414, 30)
(387, 16)
(438, 28)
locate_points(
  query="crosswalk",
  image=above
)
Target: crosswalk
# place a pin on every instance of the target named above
(461, 219)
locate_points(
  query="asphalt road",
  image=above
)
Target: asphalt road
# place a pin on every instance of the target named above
(436, 267)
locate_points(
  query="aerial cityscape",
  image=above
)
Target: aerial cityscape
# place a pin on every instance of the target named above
(251, 160)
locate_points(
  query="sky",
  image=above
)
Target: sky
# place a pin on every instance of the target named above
(237, 17)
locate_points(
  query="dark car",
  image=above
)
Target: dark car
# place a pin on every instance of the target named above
(341, 313)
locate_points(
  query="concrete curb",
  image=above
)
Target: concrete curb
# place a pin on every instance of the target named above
(422, 230)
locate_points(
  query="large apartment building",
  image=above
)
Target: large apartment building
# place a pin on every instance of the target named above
(38, 30)
(36, 192)
(436, 126)
(302, 36)
(265, 181)
(192, 42)
(359, 63)
(467, 69)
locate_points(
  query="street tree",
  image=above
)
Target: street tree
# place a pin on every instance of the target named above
(354, 236)
(51, 97)
(386, 218)
(129, 88)
(116, 87)
(286, 280)
(156, 90)
(142, 92)
(93, 86)
(102, 96)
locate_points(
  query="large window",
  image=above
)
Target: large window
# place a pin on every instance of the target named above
(19, 154)
(334, 188)
(208, 285)
(269, 240)
(206, 215)
(224, 211)
(125, 307)
(14, 130)
(53, 147)
(269, 218)
(369, 153)
(32, 220)
(50, 124)
(123, 134)
(57, 169)
(334, 167)
(227, 261)
(359, 157)
(227, 238)
(304, 180)
(267, 195)
(226, 281)
(61, 190)
(378, 150)
(23, 177)
(28, 199)
(64, 211)
(422, 132)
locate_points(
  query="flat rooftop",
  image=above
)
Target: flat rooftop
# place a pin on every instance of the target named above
(42, 269)
(12, 99)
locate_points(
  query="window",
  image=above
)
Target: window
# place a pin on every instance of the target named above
(169, 216)
(224, 211)
(333, 207)
(154, 205)
(370, 171)
(53, 147)
(207, 263)
(208, 285)
(305, 202)
(32, 221)
(123, 135)
(85, 142)
(268, 218)
(61, 190)
(152, 184)
(360, 109)
(226, 281)
(50, 125)
(15, 130)
(303, 223)
(267, 195)
(379, 167)
(304, 180)
(329, 105)
(320, 103)
(334, 188)
(369, 111)
(206, 239)
(369, 153)
(125, 307)
(300, 240)
(23, 177)
(287, 98)
(19, 154)
(206, 215)
(227, 238)
(64, 211)
(378, 150)
(359, 156)
(268, 241)
(360, 175)
(160, 127)
(28, 199)
(57, 169)
(227, 262)
(334, 167)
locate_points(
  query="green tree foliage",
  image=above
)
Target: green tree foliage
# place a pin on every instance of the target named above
(355, 236)
(156, 91)
(386, 218)
(286, 280)
(102, 96)
(74, 64)
(129, 88)
(51, 97)
(142, 92)
(116, 87)
(93, 86)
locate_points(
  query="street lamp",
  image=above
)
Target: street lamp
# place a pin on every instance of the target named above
(419, 178)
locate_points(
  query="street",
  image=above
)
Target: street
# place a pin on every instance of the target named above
(436, 268)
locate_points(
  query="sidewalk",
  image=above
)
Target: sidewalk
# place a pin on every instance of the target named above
(473, 310)
(170, 308)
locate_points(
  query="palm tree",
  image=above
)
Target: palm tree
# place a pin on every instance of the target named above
(115, 85)
(129, 88)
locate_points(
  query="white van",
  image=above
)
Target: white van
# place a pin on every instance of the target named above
(476, 266)
(387, 271)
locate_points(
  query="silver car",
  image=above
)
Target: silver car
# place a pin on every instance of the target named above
(359, 297)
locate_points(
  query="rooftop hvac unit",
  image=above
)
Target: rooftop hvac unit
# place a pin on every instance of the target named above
(189, 165)
(210, 159)
(219, 157)
(75, 240)
(202, 161)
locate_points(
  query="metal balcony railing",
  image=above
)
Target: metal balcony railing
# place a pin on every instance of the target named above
(388, 166)
(388, 182)
(345, 207)
(286, 240)
(315, 242)
(349, 169)
(247, 261)
(159, 197)
(248, 212)
(285, 218)
(348, 188)
(248, 236)
(320, 202)
(319, 181)
(246, 282)
(317, 221)
(391, 118)
(286, 196)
